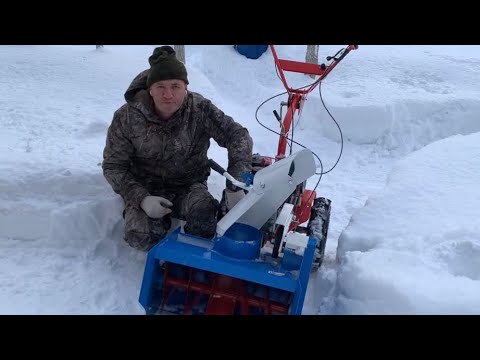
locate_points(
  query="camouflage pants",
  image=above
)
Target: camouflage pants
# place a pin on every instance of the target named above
(195, 205)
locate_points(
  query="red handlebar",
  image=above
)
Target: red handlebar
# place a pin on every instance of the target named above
(307, 68)
(296, 96)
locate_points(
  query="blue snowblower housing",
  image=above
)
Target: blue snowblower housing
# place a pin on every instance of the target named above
(260, 259)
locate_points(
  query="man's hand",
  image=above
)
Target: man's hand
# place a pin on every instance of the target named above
(156, 207)
(233, 197)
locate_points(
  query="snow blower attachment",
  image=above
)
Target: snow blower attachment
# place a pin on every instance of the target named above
(265, 247)
(238, 272)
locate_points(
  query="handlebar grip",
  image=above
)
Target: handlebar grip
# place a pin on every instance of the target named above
(215, 166)
(345, 52)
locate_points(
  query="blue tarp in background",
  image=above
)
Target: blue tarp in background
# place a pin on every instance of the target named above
(251, 51)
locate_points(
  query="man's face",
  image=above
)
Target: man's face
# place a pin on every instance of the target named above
(168, 96)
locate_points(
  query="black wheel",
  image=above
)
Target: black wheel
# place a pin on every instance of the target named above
(318, 227)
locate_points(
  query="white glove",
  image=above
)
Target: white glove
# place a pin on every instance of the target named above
(233, 197)
(156, 207)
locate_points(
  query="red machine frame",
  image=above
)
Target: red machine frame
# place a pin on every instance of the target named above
(296, 97)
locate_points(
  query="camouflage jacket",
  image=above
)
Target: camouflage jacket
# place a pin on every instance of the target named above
(144, 154)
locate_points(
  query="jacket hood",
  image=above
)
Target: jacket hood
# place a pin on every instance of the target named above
(137, 96)
(137, 88)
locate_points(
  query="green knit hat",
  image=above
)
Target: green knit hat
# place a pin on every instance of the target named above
(164, 65)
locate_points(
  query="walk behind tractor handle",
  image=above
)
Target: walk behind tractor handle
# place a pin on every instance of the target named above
(342, 52)
(296, 96)
(322, 70)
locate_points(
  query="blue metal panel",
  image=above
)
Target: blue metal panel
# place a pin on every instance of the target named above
(209, 255)
(304, 274)
(200, 254)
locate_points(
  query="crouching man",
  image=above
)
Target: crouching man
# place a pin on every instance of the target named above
(155, 155)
